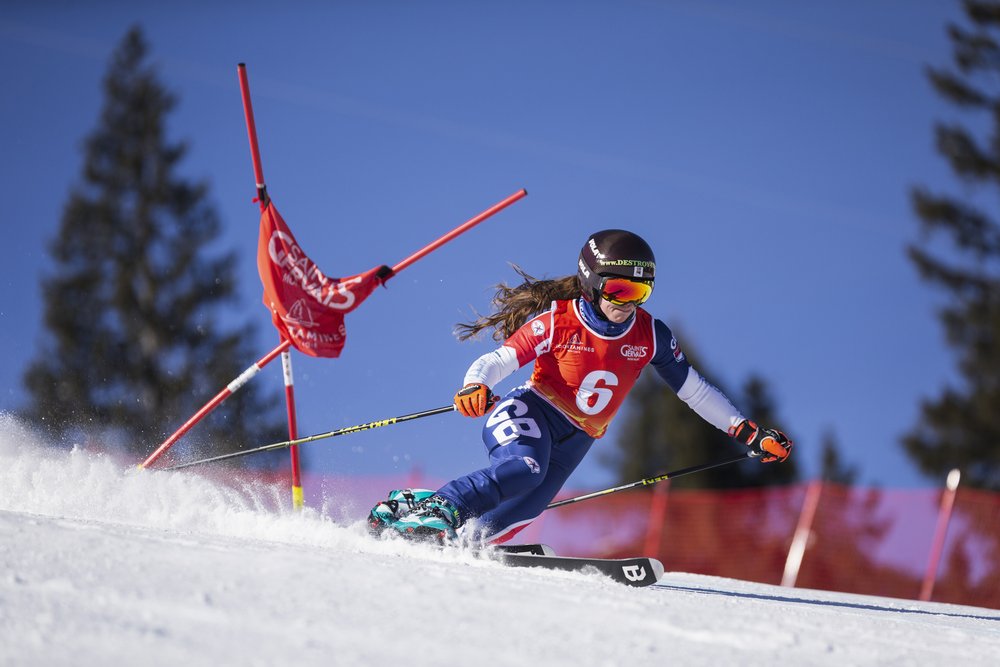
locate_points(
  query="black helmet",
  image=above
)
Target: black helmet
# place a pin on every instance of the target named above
(614, 253)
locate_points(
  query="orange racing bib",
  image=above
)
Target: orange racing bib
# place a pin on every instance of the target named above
(583, 374)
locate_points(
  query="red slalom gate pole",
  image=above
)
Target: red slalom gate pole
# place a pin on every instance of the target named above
(230, 389)
(800, 538)
(940, 532)
(298, 497)
(258, 170)
(464, 227)
(657, 517)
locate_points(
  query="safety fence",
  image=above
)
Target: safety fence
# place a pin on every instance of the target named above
(865, 540)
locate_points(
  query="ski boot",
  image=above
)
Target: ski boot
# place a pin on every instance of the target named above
(435, 519)
(394, 506)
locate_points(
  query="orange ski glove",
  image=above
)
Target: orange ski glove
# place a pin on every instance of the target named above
(473, 400)
(770, 445)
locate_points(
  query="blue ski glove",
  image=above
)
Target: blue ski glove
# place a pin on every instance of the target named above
(767, 443)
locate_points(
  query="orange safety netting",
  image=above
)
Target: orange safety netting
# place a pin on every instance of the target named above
(863, 540)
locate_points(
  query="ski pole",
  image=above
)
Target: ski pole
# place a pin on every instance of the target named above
(312, 438)
(652, 480)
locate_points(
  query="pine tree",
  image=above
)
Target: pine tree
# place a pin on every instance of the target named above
(661, 433)
(960, 427)
(133, 341)
(832, 467)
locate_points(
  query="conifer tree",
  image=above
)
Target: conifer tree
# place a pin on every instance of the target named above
(134, 342)
(960, 253)
(832, 466)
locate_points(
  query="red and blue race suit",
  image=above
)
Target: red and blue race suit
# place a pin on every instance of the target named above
(584, 366)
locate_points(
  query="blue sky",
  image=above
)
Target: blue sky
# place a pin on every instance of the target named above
(765, 150)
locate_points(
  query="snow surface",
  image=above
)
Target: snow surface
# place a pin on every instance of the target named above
(102, 563)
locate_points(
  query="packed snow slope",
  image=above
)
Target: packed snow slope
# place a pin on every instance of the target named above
(101, 563)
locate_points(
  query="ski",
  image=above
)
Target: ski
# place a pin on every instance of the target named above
(639, 571)
(530, 549)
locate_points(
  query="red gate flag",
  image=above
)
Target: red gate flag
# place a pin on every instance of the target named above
(306, 306)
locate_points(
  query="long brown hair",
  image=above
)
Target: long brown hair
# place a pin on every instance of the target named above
(513, 306)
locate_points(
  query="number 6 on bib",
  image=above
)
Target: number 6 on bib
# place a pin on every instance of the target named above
(588, 390)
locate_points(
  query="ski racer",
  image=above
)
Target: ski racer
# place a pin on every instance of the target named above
(589, 338)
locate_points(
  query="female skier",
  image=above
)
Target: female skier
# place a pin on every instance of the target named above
(588, 348)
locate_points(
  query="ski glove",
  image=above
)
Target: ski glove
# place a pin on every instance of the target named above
(473, 400)
(767, 443)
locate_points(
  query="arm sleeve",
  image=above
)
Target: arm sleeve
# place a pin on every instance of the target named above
(523, 347)
(493, 367)
(708, 402)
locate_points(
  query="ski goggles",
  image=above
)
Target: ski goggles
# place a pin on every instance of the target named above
(622, 291)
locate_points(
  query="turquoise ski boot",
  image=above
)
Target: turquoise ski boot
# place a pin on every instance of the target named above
(398, 503)
(435, 519)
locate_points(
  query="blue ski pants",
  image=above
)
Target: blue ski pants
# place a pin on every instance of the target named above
(532, 449)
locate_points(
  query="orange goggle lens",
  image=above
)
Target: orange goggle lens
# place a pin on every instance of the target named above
(621, 291)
